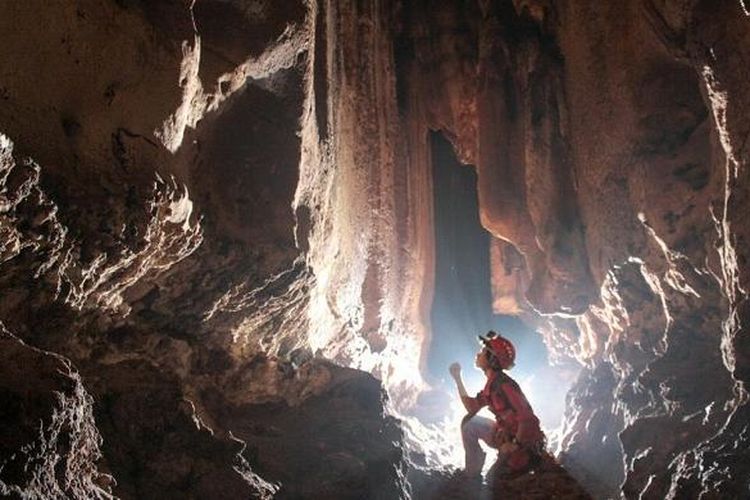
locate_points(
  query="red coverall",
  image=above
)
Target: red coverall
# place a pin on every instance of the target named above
(515, 431)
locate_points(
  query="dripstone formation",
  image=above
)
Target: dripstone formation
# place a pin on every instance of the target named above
(217, 241)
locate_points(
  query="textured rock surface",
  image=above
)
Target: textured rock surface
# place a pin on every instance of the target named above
(607, 153)
(314, 422)
(200, 199)
(49, 443)
(147, 176)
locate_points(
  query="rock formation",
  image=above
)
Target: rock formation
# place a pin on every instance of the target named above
(217, 237)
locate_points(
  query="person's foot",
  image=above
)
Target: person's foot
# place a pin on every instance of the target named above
(468, 477)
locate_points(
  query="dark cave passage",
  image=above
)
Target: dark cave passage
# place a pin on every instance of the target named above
(462, 303)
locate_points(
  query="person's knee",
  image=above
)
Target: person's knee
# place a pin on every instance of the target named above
(467, 427)
(476, 428)
(464, 429)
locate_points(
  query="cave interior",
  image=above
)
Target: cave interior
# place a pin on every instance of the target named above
(241, 241)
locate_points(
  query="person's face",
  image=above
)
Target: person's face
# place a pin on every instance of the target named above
(481, 360)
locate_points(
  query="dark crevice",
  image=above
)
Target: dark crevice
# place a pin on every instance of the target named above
(320, 73)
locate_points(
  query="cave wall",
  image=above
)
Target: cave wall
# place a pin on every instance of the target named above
(149, 158)
(606, 153)
(599, 135)
(219, 193)
(364, 202)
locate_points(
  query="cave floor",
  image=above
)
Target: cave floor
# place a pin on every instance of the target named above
(548, 481)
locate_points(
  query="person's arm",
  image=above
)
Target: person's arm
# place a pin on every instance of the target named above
(472, 405)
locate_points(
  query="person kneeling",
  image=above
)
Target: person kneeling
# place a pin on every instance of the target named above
(515, 432)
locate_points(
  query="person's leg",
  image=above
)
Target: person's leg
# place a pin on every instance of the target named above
(472, 430)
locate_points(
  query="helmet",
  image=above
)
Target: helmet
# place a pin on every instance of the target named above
(500, 348)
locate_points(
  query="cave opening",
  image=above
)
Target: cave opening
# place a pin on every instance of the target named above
(462, 305)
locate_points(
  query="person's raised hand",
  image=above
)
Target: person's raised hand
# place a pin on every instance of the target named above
(455, 369)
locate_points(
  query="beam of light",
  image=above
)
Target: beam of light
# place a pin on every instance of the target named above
(430, 411)
(432, 426)
(341, 253)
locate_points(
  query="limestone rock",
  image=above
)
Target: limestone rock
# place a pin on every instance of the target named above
(49, 444)
(201, 201)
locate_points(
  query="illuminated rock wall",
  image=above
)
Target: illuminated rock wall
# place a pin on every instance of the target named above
(609, 148)
(199, 200)
(149, 158)
(608, 141)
